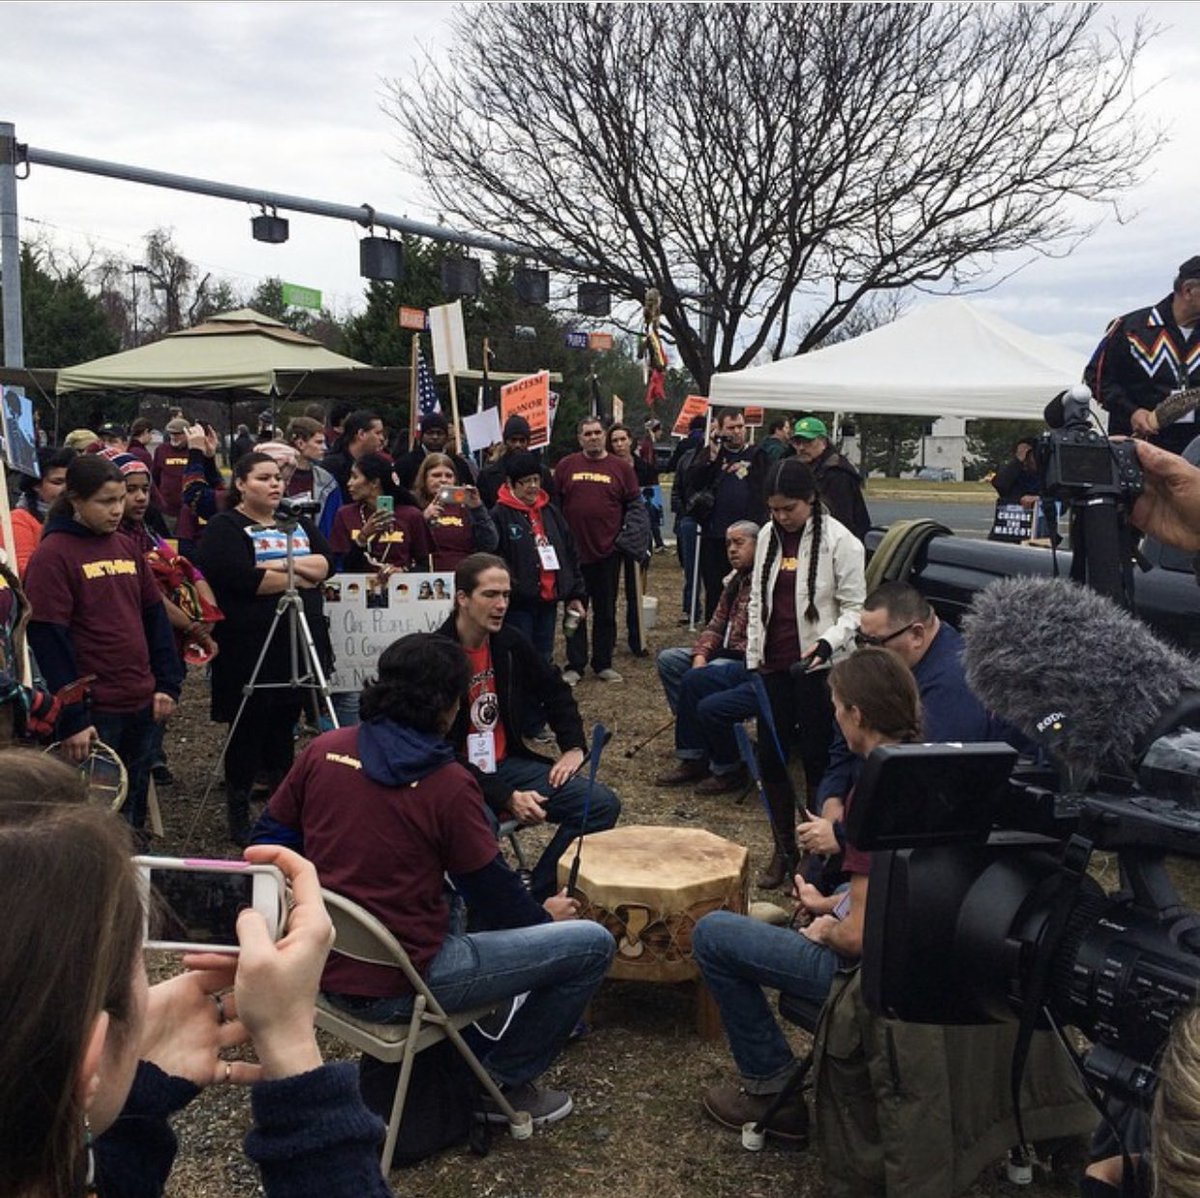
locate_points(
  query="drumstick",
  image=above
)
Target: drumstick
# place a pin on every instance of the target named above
(653, 736)
(600, 736)
(751, 762)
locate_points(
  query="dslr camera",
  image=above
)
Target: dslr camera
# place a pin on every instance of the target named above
(1078, 463)
(293, 507)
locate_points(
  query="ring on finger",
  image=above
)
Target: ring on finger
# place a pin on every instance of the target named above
(228, 1072)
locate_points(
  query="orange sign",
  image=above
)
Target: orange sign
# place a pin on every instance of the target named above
(411, 318)
(693, 406)
(529, 397)
(754, 417)
(600, 341)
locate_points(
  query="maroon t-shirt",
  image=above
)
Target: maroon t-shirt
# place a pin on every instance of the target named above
(407, 541)
(167, 473)
(98, 587)
(385, 847)
(782, 647)
(854, 860)
(593, 495)
(452, 535)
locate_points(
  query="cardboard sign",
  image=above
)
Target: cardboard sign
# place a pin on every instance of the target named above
(411, 318)
(754, 417)
(449, 338)
(20, 439)
(529, 397)
(366, 615)
(1012, 522)
(693, 406)
(482, 429)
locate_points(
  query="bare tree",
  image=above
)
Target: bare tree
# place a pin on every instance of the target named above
(782, 161)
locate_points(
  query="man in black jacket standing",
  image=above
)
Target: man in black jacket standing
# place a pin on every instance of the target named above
(507, 673)
(1147, 355)
(838, 481)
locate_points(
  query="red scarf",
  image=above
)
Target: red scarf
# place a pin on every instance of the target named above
(547, 579)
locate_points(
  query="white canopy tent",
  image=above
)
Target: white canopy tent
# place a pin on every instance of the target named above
(945, 359)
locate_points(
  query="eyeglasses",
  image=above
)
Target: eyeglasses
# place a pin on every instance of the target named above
(862, 639)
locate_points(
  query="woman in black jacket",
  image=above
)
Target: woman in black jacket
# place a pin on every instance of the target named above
(537, 545)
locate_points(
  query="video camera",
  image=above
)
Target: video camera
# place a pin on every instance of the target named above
(291, 508)
(982, 908)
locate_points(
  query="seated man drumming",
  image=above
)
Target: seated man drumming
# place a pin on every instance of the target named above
(384, 811)
(507, 674)
(708, 686)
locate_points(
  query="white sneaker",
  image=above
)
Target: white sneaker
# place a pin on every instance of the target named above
(609, 675)
(570, 677)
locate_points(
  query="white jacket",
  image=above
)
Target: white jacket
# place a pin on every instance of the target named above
(840, 590)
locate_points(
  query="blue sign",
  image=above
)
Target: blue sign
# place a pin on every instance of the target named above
(576, 340)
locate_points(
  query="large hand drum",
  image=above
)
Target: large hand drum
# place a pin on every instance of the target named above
(103, 772)
(648, 886)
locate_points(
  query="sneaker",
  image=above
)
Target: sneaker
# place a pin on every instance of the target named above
(732, 1107)
(544, 1106)
(571, 677)
(609, 675)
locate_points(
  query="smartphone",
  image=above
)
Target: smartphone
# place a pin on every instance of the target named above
(386, 503)
(452, 495)
(194, 903)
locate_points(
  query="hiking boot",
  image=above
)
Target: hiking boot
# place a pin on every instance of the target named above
(571, 677)
(609, 675)
(683, 773)
(775, 875)
(544, 1106)
(732, 1107)
(723, 784)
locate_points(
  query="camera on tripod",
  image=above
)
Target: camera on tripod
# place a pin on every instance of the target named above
(1077, 463)
(291, 508)
(982, 908)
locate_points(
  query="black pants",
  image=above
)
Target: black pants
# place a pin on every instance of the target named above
(264, 738)
(803, 712)
(630, 568)
(714, 565)
(601, 580)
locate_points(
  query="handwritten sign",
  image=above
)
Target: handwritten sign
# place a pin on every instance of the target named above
(529, 397)
(367, 614)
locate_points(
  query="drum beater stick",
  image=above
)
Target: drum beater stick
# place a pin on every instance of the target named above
(600, 737)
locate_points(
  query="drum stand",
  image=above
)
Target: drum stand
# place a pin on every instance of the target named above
(300, 639)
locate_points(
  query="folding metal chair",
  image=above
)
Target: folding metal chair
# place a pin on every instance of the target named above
(362, 937)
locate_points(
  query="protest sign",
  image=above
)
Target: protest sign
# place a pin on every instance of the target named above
(529, 397)
(693, 406)
(449, 338)
(366, 614)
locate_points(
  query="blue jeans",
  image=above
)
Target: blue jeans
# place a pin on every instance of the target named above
(560, 964)
(345, 707)
(537, 623)
(738, 956)
(672, 665)
(686, 531)
(712, 701)
(565, 809)
(131, 734)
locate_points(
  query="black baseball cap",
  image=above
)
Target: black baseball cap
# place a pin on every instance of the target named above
(1191, 268)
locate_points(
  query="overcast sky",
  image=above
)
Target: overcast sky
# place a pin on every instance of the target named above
(286, 97)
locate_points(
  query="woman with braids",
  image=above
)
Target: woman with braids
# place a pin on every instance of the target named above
(807, 590)
(876, 702)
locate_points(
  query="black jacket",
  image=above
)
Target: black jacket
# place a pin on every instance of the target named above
(841, 489)
(521, 674)
(524, 567)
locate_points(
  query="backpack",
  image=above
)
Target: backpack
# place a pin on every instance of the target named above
(443, 1095)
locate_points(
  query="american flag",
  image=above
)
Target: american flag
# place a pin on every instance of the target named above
(428, 403)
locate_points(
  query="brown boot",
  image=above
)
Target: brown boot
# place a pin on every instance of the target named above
(782, 804)
(774, 876)
(685, 772)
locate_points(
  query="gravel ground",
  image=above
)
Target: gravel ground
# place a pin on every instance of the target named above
(637, 1130)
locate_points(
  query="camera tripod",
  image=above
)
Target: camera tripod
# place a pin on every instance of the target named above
(301, 645)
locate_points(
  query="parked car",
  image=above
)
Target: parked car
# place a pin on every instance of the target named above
(936, 474)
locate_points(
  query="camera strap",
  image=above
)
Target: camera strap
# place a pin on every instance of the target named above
(1072, 871)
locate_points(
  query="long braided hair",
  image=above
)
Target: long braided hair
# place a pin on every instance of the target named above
(794, 479)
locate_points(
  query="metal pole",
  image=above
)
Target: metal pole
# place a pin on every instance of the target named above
(10, 248)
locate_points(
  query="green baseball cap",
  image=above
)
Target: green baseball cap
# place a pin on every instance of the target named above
(809, 429)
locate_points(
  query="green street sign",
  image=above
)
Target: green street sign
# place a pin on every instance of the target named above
(301, 297)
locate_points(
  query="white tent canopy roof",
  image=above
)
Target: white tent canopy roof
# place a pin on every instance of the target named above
(945, 359)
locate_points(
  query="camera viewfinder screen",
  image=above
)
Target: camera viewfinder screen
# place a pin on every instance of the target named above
(1086, 465)
(198, 908)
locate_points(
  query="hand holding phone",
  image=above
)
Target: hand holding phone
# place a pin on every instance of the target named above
(195, 903)
(386, 505)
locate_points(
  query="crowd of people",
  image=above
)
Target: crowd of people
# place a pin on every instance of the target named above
(130, 564)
